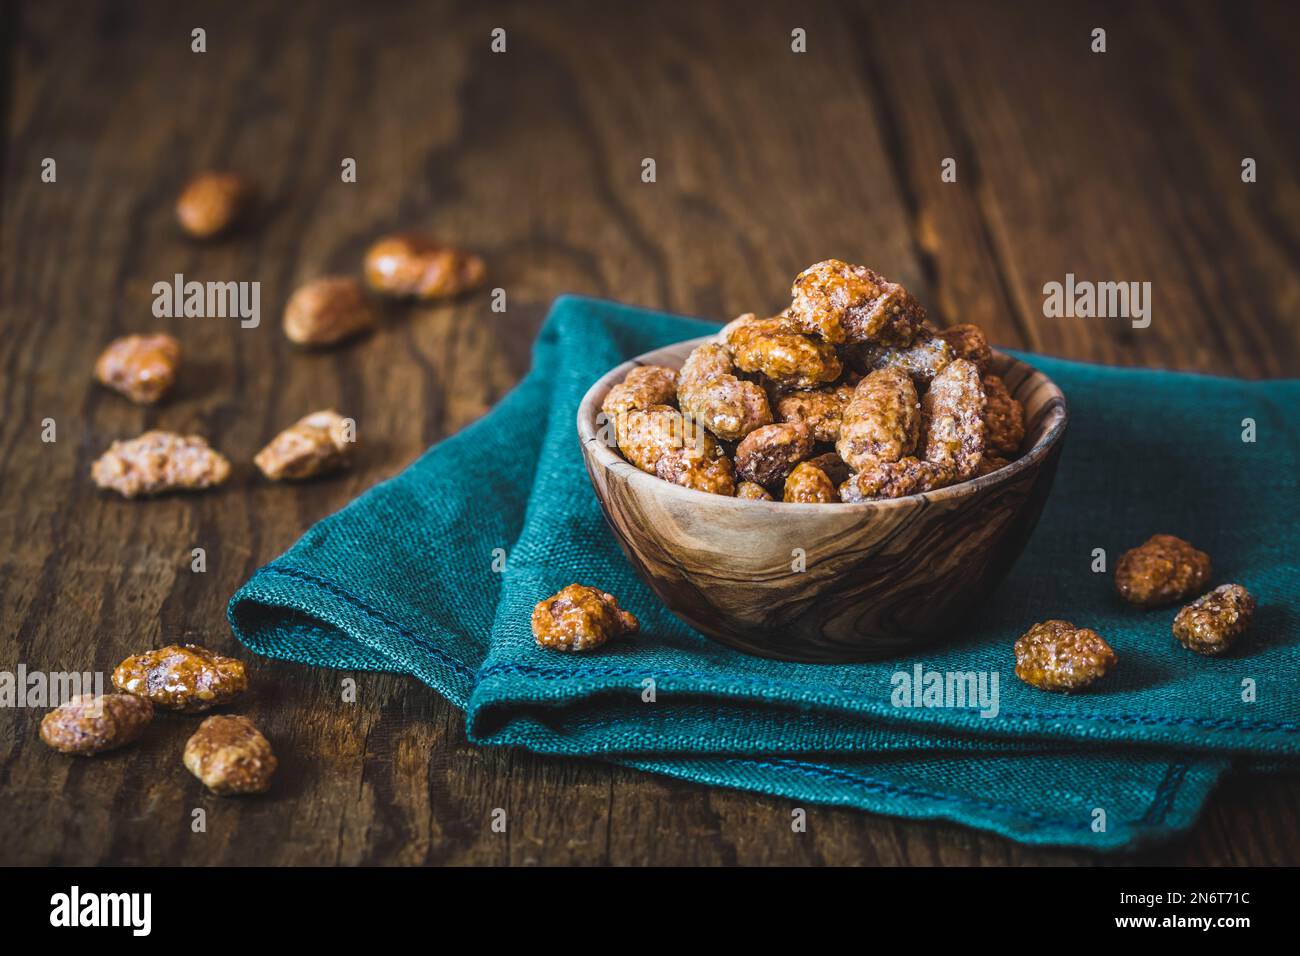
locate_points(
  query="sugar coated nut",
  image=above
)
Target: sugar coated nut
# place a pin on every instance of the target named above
(709, 392)
(968, 342)
(1004, 419)
(158, 462)
(645, 435)
(752, 492)
(580, 618)
(809, 485)
(212, 203)
(141, 367)
(952, 419)
(328, 310)
(642, 387)
(317, 444)
(923, 359)
(1161, 571)
(895, 479)
(182, 677)
(1212, 623)
(822, 410)
(230, 755)
(417, 266)
(881, 422)
(766, 455)
(713, 473)
(847, 303)
(90, 724)
(783, 354)
(1056, 655)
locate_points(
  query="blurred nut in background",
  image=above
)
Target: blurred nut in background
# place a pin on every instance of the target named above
(90, 724)
(158, 462)
(141, 367)
(417, 266)
(317, 444)
(328, 310)
(213, 203)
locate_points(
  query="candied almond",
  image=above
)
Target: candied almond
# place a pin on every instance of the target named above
(580, 618)
(316, 444)
(141, 367)
(1056, 655)
(230, 755)
(1212, 623)
(90, 724)
(1161, 571)
(882, 420)
(766, 455)
(215, 202)
(158, 462)
(182, 677)
(417, 266)
(328, 310)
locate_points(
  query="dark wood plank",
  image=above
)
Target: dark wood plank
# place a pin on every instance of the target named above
(1123, 166)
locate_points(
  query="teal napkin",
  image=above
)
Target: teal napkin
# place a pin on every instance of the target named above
(435, 572)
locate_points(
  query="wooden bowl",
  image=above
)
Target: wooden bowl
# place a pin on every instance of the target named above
(881, 577)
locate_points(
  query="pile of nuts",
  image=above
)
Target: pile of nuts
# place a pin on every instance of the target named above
(848, 395)
(1056, 655)
(323, 312)
(227, 753)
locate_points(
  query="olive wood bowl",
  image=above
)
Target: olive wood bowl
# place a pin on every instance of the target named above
(879, 578)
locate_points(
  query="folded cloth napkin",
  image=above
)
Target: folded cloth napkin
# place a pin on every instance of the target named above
(434, 573)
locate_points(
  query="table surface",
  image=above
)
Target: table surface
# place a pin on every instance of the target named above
(1124, 165)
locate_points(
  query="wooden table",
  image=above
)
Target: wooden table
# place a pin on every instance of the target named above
(1123, 165)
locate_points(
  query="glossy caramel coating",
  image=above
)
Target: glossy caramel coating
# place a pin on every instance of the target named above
(580, 618)
(230, 755)
(837, 470)
(784, 355)
(1212, 623)
(709, 392)
(141, 367)
(647, 434)
(1161, 571)
(751, 491)
(182, 677)
(644, 386)
(808, 484)
(952, 414)
(1056, 655)
(317, 444)
(895, 479)
(968, 342)
(1004, 419)
(412, 265)
(925, 358)
(712, 473)
(882, 420)
(90, 724)
(845, 303)
(768, 454)
(821, 409)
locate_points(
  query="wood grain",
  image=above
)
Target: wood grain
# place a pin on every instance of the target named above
(1117, 166)
(724, 565)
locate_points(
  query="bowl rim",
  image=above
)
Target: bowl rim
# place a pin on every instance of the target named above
(616, 464)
